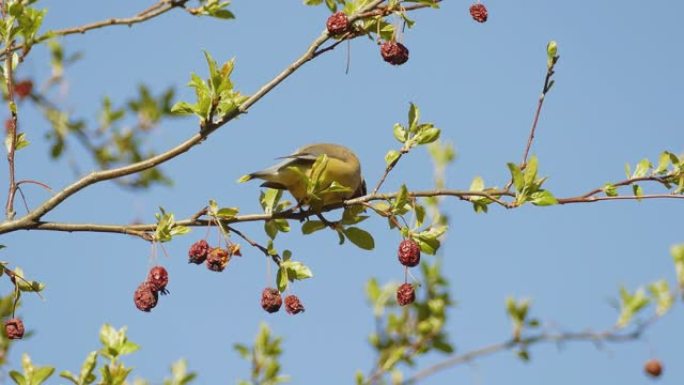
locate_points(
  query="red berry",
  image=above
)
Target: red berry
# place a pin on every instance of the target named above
(145, 298)
(478, 12)
(271, 300)
(337, 24)
(218, 258)
(293, 305)
(14, 328)
(23, 88)
(394, 53)
(406, 294)
(653, 368)
(158, 278)
(409, 253)
(198, 252)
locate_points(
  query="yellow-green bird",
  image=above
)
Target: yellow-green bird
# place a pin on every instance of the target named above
(343, 167)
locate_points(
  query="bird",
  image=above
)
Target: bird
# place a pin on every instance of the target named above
(343, 167)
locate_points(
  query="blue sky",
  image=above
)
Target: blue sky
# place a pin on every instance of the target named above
(617, 99)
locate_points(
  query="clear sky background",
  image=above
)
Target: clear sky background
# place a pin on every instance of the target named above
(617, 98)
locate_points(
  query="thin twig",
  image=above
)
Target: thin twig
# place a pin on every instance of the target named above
(275, 257)
(540, 103)
(12, 106)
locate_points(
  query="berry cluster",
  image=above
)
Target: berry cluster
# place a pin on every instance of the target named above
(147, 294)
(409, 256)
(216, 258)
(271, 301)
(479, 12)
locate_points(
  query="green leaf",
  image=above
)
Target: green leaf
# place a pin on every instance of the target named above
(413, 116)
(312, 226)
(642, 168)
(530, 175)
(242, 350)
(391, 157)
(638, 191)
(17, 377)
(40, 375)
(281, 280)
(227, 213)
(428, 135)
(516, 174)
(543, 198)
(360, 238)
(183, 108)
(298, 271)
(610, 190)
(662, 296)
(69, 376)
(400, 133)
(477, 184)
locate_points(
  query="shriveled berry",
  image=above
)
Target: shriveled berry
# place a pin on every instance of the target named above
(653, 368)
(217, 259)
(271, 300)
(293, 305)
(158, 278)
(198, 252)
(406, 294)
(145, 298)
(478, 12)
(14, 328)
(409, 253)
(337, 24)
(23, 88)
(394, 53)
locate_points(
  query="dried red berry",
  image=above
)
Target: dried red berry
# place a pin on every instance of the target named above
(653, 368)
(158, 278)
(14, 328)
(406, 294)
(409, 253)
(271, 300)
(198, 252)
(337, 24)
(23, 88)
(478, 12)
(394, 53)
(145, 298)
(293, 305)
(218, 258)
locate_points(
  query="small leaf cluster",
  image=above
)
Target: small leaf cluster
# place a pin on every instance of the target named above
(214, 8)
(22, 21)
(32, 374)
(518, 312)
(290, 271)
(632, 304)
(215, 96)
(167, 227)
(669, 172)
(528, 185)
(271, 203)
(264, 356)
(345, 228)
(412, 135)
(414, 330)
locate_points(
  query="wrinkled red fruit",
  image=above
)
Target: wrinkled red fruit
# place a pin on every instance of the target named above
(218, 258)
(198, 252)
(653, 368)
(158, 278)
(409, 253)
(271, 300)
(23, 88)
(293, 305)
(14, 328)
(478, 12)
(406, 294)
(337, 24)
(145, 298)
(394, 53)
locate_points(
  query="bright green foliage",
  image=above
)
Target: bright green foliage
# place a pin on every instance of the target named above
(412, 135)
(167, 228)
(215, 8)
(32, 375)
(24, 284)
(407, 332)
(264, 356)
(215, 96)
(271, 204)
(290, 271)
(86, 375)
(517, 311)
(630, 305)
(528, 186)
(661, 296)
(677, 252)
